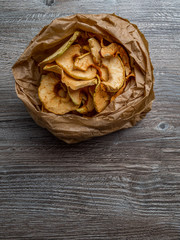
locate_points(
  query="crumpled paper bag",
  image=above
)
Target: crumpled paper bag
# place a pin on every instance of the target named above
(127, 109)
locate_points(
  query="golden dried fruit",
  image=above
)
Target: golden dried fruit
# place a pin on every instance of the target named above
(52, 67)
(88, 106)
(125, 59)
(110, 50)
(118, 92)
(123, 87)
(101, 98)
(49, 95)
(95, 50)
(116, 73)
(75, 84)
(75, 95)
(62, 49)
(67, 64)
(83, 62)
(114, 49)
(103, 73)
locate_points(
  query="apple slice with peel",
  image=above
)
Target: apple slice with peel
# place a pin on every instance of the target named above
(83, 62)
(75, 95)
(95, 50)
(55, 100)
(62, 49)
(53, 67)
(101, 97)
(115, 49)
(116, 73)
(66, 62)
(75, 84)
(88, 106)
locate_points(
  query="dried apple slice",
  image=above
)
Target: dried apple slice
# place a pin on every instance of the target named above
(118, 92)
(52, 67)
(50, 96)
(114, 49)
(75, 84)
(125, 59)
(101, 98)
(116, 73)
(83, 62)
(110, 50)
(62, 49)
(67, 64)
(95, 50)
(103, 73)
(123, 87)
(88, 105)
(75, 95)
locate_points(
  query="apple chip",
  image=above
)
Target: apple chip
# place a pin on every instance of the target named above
(54, 99)
(114, 49)
(103, 73)
(118, 92)
(95, 50)
(116, 73)
(83, 62)
(110, 50)
(75, 95)
(88, 106)
(62, 49)
(52, 67)
(101, 97)
(75, 84)
(67, 64)
(125, 59)
(123, 87)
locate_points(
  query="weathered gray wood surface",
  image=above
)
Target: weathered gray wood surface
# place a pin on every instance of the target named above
(122, 186)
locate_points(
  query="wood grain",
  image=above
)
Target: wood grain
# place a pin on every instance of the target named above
(122, 186)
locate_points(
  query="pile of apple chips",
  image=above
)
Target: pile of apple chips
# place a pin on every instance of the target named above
(84, 75)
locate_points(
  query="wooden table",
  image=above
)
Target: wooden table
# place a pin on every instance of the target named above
(122, 186)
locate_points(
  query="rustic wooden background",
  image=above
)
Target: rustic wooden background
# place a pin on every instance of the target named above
(122, 186)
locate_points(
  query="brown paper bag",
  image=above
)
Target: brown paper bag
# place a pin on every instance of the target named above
(127, 109)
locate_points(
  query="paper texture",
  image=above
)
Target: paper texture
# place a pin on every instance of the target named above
(127, 109)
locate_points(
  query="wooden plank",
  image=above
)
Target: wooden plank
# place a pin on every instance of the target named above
(125, 185)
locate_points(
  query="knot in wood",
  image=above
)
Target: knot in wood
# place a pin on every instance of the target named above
(49, 2)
